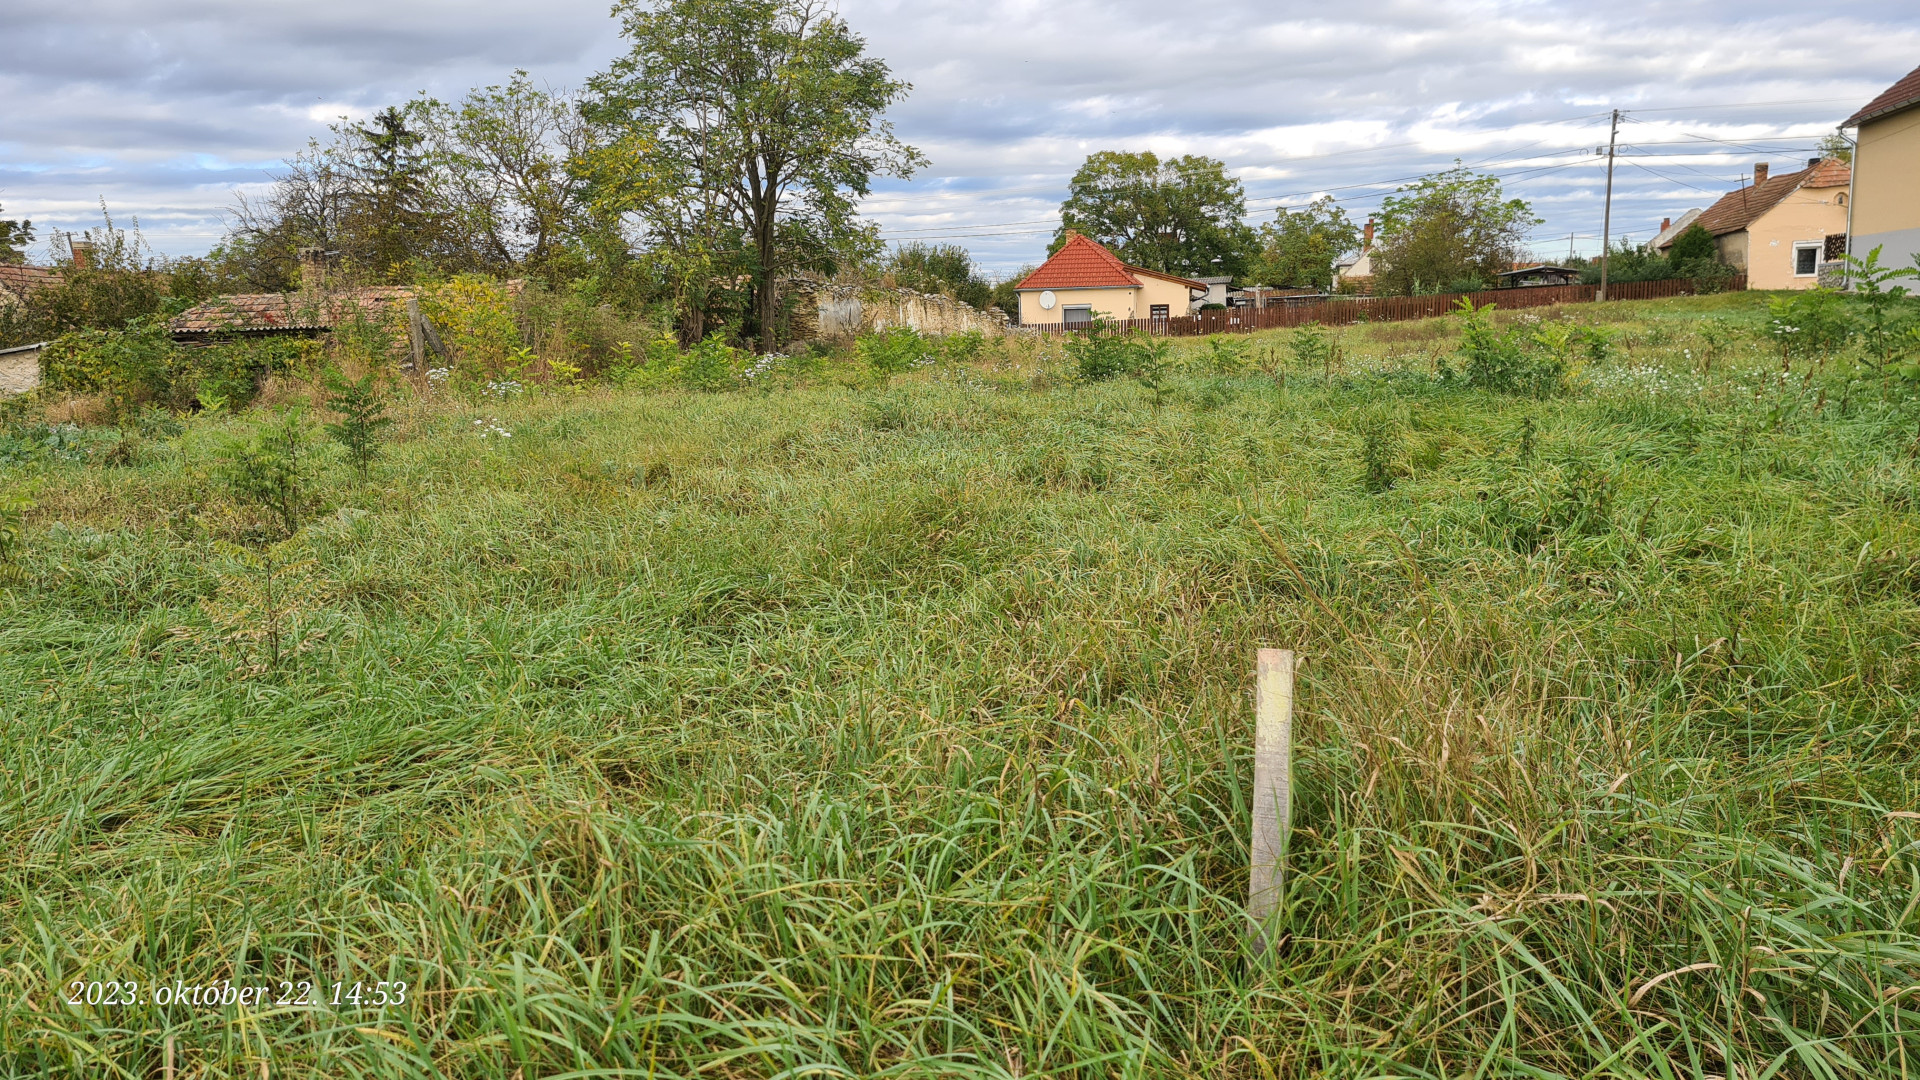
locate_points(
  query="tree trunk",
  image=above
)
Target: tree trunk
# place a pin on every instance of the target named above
(766, 296)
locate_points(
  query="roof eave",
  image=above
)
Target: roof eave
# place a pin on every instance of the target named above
(1859, 118)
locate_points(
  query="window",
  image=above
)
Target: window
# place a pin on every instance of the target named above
(1158, 311)
(1806, 260)
(1078, 314)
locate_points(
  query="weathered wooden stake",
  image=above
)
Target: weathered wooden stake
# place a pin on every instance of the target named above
(1272, 785)
(416, 335)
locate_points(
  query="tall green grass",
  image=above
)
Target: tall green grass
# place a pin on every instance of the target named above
(843, 731)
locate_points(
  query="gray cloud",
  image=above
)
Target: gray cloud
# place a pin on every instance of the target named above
(164, 109)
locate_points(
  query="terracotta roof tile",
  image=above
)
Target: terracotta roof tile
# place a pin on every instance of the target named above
(285, 311)
(1898, 96)
(20, 279)
(1737, 209)
(1081, 264)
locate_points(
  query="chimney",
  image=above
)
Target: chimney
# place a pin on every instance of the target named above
(82, 253)
(1812, 161)
(1366, 243)
(1665, 224)
(313, 268)
(1759, 174)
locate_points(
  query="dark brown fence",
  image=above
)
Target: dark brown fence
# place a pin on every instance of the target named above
(1344, 311)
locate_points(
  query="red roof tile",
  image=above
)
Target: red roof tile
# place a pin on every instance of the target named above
(1738, 209)
(1081, 264)
(285, 311)
(21, 279)
(1898, 96)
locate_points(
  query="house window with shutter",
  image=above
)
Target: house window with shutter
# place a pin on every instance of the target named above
(1158, 311)
(1078, 314)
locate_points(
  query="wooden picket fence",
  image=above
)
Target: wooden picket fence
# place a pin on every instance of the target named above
(1344, 311)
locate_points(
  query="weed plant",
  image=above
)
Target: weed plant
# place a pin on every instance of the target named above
(734, 735)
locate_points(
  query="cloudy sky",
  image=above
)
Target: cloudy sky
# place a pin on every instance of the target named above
(164, 108)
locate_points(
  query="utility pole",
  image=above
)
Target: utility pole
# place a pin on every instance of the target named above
(1606, 216)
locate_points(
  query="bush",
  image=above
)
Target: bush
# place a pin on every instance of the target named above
(475, 318)
(1380, 446)
(1568, 502)
(1498, 360)
(125, 367)
(1311, 346)
(1693, 243)
(711, 364)
(1811, 323)
(362, 418)
(227, 374)
(1226, 355)
(271, 466)
(1098, 356)
(890, 352)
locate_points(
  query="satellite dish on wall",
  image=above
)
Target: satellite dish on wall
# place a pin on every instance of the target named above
(1047, 300)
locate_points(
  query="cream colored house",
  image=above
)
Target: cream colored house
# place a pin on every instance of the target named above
(1084, 281)
(1886, 175)
(1775, 231)
(1356, 273)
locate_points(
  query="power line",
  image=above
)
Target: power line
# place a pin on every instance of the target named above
(1741, 105)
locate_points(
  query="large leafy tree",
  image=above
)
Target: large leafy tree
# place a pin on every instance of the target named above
(1453, 230)
(501, 167)
(741, 133)
(1181, 216)
(1299, 247)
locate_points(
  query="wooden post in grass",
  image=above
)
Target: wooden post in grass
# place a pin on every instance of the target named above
(1272, 785)
(416, 336)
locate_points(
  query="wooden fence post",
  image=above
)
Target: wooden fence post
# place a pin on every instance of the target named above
(1272, 786)
(416, 336)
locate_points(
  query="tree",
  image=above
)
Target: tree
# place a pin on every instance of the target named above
(1837, 147)
(743, 127)
(384, 161)
(1694, 242)
(1452, 231)
(309, 206)
(501, 167)
(1178, 217)
(15, 235)
(942, 268)
(1005, 298)
(1300, 246)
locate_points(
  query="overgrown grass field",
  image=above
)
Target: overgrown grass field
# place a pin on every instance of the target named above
(860, 729)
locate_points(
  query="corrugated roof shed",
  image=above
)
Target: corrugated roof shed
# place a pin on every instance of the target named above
(261, 312)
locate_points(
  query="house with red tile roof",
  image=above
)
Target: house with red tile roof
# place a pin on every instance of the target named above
(1084, 281)
(1886, 175)
(1775, 230)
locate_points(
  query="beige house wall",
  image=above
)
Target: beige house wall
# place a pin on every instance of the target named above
(1114, 303)
(1807, 216)
(1886, 175)
(1886, 189)
(1733, 250)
